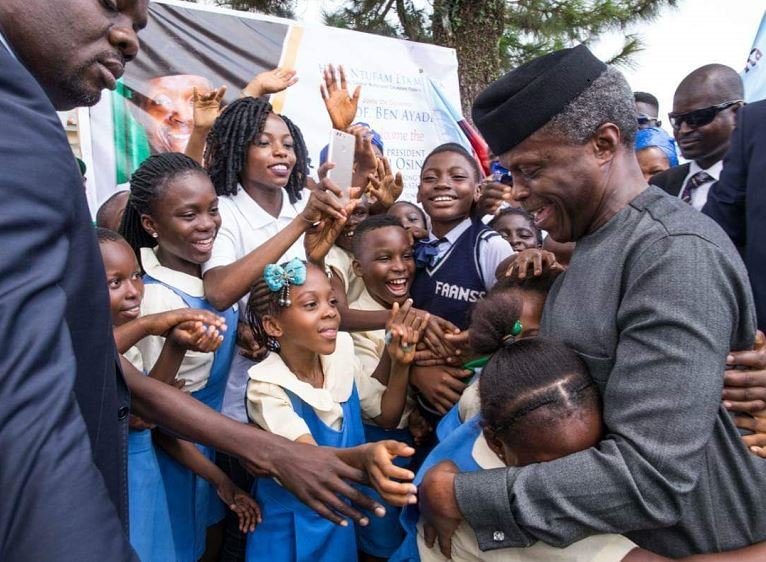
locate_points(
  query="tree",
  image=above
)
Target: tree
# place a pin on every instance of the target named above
(493, 36)
(279, 8)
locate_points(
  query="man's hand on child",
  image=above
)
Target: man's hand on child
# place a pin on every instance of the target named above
(438, 506)
(383, 473)
(247, 509)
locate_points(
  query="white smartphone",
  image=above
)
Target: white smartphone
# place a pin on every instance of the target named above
(341, 153)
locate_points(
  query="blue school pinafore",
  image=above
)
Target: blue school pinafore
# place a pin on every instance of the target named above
(458, 448)
(192, 502)
(291, 531)
(151, 535)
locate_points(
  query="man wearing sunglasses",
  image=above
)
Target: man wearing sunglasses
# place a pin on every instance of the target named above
(704, 107)
(647, 110)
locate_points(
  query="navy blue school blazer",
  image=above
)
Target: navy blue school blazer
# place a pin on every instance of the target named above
(63, 401)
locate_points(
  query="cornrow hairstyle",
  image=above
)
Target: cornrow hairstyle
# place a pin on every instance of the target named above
(416, 207)
(265, 302)
(458, 149)
(147, 184)
(229, 140)
(533, 375)
(369, 224)
(104, 235)
(522, 213)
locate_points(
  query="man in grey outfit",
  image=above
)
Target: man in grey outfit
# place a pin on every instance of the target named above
(654, 298)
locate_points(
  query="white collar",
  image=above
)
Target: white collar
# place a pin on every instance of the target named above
(483, 455)
(453, 234)
(713, 171)
(366, 302)
(183, 281)
(255, 215)
(338, 376)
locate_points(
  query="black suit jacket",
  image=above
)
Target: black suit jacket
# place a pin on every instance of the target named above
(63, 402)
(672, 179)
(738, 200)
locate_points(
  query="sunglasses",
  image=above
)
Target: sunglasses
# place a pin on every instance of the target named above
(699, 117)
(646, 119)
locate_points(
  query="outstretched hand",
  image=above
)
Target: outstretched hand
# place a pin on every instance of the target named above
(161, 323)
(405, 326)
(341, 107)
(270, 82)
(245, 507)
(531, 262)
(383, 473)
(318, 478)
(206, 107)
(384, 188)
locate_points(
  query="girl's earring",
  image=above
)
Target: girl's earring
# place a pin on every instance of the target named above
(155, 235)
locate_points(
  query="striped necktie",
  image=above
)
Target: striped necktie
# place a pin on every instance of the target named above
(694, 182)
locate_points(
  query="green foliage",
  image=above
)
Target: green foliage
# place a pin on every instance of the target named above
(279, 8)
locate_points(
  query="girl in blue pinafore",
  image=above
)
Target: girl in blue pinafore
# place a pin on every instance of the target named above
(172, 219)
(305, 390)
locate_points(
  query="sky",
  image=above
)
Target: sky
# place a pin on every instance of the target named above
(695, 33)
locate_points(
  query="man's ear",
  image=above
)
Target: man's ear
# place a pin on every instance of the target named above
(271, 326)
(606, 141)
(149, 225)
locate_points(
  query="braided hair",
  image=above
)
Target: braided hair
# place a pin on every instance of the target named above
(147, 184)
(229, 140)
(264, 302)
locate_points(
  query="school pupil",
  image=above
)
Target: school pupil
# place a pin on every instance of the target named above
(514, 300)
(412, 218)
(151, 533)
(456, 266)
(309, 389)
(171, 222)
(384, 261)
(517, 227)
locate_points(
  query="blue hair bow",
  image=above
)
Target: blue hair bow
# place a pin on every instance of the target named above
(280, 277)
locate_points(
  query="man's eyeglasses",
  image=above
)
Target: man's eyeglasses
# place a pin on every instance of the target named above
(700, 117)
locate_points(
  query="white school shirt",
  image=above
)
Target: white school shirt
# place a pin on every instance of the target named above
(340, 260)
(195, 367)
(269, 405)
(465, 548)
(369, 347)
(492, 250)
(245, 225)
(699, 195)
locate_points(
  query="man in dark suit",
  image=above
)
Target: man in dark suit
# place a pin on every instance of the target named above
(704, 106)
(64, 404)
(738, 200)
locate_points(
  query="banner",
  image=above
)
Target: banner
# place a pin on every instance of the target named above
(187, 46)
(754, 75)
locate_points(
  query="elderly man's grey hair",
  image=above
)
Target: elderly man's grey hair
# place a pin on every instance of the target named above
(608, 100)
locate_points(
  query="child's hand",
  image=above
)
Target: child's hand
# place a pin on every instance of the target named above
(247, 509)
(419, 427)
(326, 210)
(139, 424)
(441, 385)
(206, 107)
(340, 106)
(161, 323)
(384, 187)
(365, 159)
(196, 336)
(270, 82)
(435, 331)
(532, 262)
(493, 195)
(403, 332)
(383, 473)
